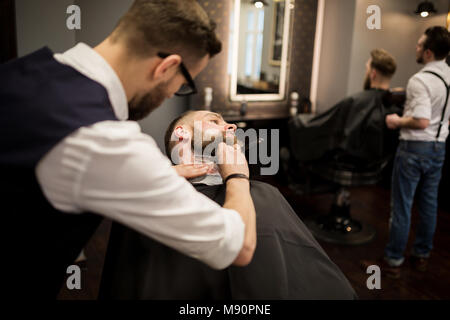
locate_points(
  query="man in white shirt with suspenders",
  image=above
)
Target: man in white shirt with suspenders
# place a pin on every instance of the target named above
(424, 128)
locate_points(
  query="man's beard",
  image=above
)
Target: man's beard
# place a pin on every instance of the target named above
(139, 108)
(420, 60)
(367, 82)
(211, 141)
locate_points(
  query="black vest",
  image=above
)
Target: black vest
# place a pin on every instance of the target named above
(41, 102)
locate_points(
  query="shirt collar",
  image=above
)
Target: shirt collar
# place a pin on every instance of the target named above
(437, 64)
(88, 62)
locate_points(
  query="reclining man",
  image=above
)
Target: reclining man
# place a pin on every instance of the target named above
(350, 131)
(287, 264)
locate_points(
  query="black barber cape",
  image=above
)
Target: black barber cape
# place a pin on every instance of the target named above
(288, 262)
(353, 131)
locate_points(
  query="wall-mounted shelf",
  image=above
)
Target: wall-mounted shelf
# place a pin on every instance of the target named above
(233, 117)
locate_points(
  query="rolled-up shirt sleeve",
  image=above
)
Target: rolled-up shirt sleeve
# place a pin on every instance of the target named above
(118, 172)
(419, 101)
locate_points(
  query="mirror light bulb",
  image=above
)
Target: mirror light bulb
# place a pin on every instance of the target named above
(424, 14)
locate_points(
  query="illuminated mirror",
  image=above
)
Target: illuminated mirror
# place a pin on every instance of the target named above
(259, 37)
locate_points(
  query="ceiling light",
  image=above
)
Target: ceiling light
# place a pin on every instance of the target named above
(425, 8)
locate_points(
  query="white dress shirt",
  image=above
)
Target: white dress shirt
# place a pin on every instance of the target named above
(113, 169)
(425, 98)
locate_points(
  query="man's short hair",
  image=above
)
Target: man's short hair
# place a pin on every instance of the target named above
(438, 41)
(168, 144)
(169, 26)
(383, 62)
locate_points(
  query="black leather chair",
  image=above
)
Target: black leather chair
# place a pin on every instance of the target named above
(338, 169)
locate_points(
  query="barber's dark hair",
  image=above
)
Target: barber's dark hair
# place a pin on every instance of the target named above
(168, 144)
(438, 41)
(383, 62)
(169, 26)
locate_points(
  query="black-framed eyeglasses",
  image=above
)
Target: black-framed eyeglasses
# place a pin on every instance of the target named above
(186, 89)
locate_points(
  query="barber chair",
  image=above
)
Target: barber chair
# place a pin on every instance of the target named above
(338, 226)
(316, 156)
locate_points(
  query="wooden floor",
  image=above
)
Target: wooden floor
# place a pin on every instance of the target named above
(369, 204)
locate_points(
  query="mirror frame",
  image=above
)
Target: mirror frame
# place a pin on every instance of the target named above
(234, 96)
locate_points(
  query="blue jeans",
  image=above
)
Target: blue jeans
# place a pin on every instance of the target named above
(415, 161)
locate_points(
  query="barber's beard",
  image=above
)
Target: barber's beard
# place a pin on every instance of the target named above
(367, 83)
(141, 107)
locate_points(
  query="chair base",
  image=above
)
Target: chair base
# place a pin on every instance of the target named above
(341, 230)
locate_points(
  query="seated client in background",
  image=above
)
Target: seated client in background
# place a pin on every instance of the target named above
(288, 263)
(353, 130)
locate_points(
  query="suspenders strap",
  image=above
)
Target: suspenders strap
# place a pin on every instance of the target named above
(445, 105)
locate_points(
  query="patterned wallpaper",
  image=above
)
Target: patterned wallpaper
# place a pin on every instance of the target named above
(301, 56)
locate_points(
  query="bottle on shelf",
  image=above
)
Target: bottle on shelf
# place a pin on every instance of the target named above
(294, 103)
(208, 98)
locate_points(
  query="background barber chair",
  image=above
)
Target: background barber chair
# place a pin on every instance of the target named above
(338, 172)
(338, 226)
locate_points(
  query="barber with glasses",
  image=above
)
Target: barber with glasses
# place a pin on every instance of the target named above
(73, 153)
(188, 88)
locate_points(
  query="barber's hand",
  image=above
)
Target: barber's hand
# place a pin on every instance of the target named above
(190, 171)
(392, 121)
(231, 160)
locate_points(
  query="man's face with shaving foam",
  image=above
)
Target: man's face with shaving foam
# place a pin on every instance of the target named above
(197, 136)
(208, 129)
